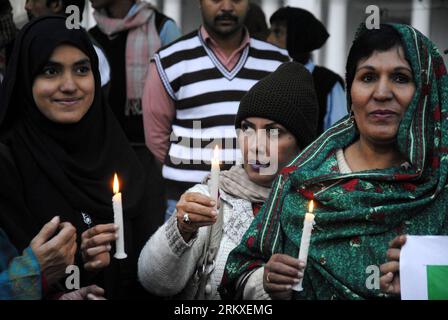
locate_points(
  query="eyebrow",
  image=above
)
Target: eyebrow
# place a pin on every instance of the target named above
(82, 62)
(250, 124)
(52, 64)
(273, 125)
(371, 68)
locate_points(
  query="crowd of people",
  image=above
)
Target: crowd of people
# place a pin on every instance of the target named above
(134, 96)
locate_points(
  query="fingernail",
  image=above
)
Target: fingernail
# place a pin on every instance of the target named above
(109, 247)
(214, 213)
(213, 203)
(296, 280)
(300, 274)
(116, 227)
(55, 219)
(302, 264)
(288, 287)
(116, 236)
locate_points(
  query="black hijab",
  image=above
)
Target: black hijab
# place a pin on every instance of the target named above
(305, 33)
(66, 169)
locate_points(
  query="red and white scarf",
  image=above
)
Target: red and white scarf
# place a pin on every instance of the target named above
(142, 42)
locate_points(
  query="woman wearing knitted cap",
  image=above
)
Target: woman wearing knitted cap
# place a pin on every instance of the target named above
(173, 262)
(298, 31)
(373, 176)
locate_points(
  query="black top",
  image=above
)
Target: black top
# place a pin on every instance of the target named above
(324, 80)
(67, 169)
(115, 51)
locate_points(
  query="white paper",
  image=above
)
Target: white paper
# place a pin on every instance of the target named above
(417, 253)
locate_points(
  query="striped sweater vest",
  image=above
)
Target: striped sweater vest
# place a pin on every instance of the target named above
(206, 97)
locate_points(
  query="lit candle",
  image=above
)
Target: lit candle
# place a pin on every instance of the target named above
(214, 179)
(118, 220)
(305, 242)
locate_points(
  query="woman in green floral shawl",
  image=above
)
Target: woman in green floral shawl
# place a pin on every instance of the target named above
(364, 198)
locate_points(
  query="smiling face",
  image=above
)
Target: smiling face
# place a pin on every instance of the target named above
(224, 17)
(65, 88)
(381, 92)
(265, 144)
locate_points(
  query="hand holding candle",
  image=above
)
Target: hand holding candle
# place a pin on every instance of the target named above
(118, 220)
(305, 242)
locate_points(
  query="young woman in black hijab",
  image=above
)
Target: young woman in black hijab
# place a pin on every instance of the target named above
(63, 146)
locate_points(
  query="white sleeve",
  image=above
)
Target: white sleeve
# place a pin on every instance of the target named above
(167, 262)
(103, 65)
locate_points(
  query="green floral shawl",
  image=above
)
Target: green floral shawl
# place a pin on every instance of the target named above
(357, 214)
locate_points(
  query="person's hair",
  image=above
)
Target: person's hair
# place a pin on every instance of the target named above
(279, 16)
(369, 41)
(256, 22)
(65, 3)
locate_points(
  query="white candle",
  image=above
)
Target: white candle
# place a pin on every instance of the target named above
(118, 220)
(214, 179)
(305, 242)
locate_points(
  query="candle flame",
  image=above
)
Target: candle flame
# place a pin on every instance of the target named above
(311, 207)
(116, 184)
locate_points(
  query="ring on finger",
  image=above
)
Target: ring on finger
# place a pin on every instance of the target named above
(186, 218)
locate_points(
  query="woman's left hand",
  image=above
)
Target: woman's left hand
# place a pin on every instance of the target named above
(96, 245)
(281, 272)
(390, 281)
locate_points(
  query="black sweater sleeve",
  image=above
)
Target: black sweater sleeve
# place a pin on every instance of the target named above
(15, 218)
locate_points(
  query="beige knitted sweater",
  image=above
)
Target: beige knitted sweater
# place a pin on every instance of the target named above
(167, 262)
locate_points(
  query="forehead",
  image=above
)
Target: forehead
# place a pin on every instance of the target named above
(66, 53)
(40, 3)
(394, 57)
(219, 2)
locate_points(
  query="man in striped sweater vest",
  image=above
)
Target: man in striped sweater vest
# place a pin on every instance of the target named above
(193, 90)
